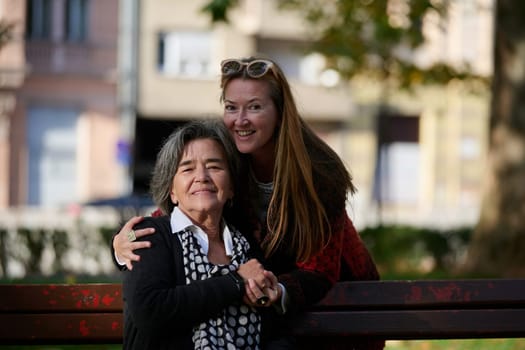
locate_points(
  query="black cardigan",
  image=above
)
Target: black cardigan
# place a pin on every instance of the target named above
(159, 308)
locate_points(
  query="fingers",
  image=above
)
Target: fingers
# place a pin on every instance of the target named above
(143, 232)
(139, 245)
(255, 294)
(125, 244)
(128, 256)
(270, 278)
(132, 257)
(253, 269)
(274, 294)
(128, 226)
(262, 287)
(130, 223)
(130, 247)
(266, 297)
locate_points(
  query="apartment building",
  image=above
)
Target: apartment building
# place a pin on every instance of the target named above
(12, 67)
(65, 127)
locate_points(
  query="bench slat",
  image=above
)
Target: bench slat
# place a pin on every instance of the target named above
(96, 297)
(425, 309)
(61, 328)
(425, 294)
(414, 324)
(350, 295)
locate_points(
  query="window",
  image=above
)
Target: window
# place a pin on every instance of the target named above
(76, 20)
(309, 68)
(399, 175)
(57, 20)
(397, 170)
(185, 54)
(52, 144)
(39, 19)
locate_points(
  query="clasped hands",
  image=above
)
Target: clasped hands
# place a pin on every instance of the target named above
(262, 288)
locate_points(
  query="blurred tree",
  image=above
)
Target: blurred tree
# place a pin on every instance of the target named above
(498, 245)
(370, 38)
(218, 9)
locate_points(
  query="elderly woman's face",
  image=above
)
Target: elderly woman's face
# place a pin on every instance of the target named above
(202, 183)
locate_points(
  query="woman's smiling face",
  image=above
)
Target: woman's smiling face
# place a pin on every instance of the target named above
(250, 115)
(202, 184)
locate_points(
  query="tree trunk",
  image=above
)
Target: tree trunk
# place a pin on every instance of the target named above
(498, 244)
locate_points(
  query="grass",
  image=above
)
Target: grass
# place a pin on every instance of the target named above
(464, 344)
(455, 344)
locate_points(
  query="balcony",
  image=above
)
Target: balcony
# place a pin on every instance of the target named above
(65, 58)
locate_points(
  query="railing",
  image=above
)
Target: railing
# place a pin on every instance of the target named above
(65, 58)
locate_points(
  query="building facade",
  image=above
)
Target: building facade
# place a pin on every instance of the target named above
(12, 70)
(105, 81)
(65, 127)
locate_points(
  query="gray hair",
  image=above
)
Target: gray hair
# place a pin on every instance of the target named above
(170, 154)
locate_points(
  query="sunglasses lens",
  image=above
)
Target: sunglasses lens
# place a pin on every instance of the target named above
(257, 69)
(230, 67)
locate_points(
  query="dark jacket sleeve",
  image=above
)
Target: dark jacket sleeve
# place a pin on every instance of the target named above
(155, 292)
(344, 258)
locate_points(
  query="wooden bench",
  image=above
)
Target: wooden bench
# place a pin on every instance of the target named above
(424, 309)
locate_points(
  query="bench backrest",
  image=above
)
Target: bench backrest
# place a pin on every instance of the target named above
(92, 313)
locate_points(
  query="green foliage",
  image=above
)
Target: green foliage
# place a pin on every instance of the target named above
(218, 9)
(376, 38)
(409, 252)
(34, 241)
(400, 252)
(80, 253)
(60, 243)
(107, 234)
(373, 38)
(3, 250)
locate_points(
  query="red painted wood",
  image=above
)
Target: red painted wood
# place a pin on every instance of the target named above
(61, 328)
(414, 324)
(92, 313)
(426, 294)
(61, 298)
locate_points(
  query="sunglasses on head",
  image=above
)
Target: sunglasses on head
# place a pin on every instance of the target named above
(254, 69)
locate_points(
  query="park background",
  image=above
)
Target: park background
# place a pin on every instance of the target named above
(415, 96)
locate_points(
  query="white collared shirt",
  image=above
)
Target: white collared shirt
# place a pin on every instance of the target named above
(180, 222)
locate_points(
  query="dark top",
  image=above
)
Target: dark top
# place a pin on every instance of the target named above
(160, 309)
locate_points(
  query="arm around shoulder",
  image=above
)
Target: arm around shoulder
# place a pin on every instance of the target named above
(156, 293)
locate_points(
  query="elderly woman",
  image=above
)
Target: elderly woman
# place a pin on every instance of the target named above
(187, 291)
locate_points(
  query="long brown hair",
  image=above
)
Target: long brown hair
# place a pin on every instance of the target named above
(310, 182)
